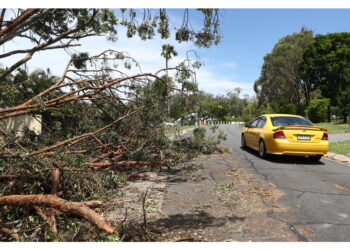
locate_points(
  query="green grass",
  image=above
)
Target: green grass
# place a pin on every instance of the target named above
(335, 127)
(340, 148)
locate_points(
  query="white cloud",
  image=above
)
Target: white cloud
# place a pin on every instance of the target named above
(217, 84)
(147, 53)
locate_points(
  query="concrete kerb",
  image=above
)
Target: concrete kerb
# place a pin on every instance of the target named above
(345, 160)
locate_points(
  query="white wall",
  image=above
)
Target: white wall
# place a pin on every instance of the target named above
(20, 123)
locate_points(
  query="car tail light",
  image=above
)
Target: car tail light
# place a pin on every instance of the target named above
(325, 137)
(279, 135)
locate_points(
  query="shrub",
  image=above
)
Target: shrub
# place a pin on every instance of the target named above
(199, 133)
(291, 108)
(317, 110)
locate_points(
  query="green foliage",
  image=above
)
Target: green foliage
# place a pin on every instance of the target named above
(79, 60)
(168, 52)
(250, 111)
(326, 65)
(317, 110)
(218, 112)
(199, 133)
(280, 82)
(267, 109)
(291, 108)
(144, 23)
(22, 86)
(139, 137)
(58, 21)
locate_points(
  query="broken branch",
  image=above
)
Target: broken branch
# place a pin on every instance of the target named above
(61, 205)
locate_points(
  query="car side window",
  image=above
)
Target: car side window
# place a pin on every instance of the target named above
(255, 123)
(261, 123)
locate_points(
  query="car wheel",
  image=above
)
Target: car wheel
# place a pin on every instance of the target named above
(262, 149)
(315, 158)
(243, 144)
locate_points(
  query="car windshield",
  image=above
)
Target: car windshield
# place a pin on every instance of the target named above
(289, 121)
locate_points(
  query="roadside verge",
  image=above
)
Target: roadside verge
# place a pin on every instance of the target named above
(338, 158)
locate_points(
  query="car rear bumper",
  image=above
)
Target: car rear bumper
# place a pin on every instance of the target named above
(282, 146)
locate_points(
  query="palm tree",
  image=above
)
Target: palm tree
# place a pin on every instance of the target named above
(168, 52)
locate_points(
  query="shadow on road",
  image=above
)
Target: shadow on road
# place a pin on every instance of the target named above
(284, 159)
(196, 220)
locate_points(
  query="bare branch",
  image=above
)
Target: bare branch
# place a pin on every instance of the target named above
(3, 11)
(83, 136)
(25, 15)
(34, 50)
(44, 45)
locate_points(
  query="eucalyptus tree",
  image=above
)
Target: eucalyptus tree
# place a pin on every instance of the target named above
(116, 124)
(280, 82)
(48, 29)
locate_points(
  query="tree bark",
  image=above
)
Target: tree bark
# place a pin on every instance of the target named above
(8, 177)
(50, 212)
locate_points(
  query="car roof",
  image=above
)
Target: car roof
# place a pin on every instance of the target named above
(272, 115)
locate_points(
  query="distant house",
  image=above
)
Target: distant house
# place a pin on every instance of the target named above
(18, 125)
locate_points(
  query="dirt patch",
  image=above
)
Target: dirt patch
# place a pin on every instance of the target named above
(211, 198)
(224, 202)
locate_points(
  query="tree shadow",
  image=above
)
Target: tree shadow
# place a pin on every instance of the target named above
(196, 220)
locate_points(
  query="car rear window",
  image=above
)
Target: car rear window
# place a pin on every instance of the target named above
(289, 121)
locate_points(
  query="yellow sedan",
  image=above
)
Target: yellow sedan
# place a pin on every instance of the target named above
(284, 134)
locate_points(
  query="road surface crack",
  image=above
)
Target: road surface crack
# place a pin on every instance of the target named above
(313, 192)
(291, 226)
(252, 164)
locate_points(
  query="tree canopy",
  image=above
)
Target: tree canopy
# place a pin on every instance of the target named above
(49, 29)
(326, 66)
(280, 82)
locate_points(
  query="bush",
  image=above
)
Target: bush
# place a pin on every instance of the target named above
(199, 133)
(291, 108)
(317, 110)
(219, 112)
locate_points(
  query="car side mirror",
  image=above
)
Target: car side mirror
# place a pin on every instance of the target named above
(247, 125)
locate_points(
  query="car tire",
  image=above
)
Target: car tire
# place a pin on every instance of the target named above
(243, 143)
(262, 149)
(315, 158)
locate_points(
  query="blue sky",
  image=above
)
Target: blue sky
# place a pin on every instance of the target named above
(236, 62)
(251, 33)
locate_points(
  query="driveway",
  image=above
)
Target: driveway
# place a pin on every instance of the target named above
(339, 137)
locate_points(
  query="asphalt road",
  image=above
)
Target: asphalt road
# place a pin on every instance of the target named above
(317, 195)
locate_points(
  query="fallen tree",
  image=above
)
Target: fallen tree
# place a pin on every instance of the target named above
(102, 114)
